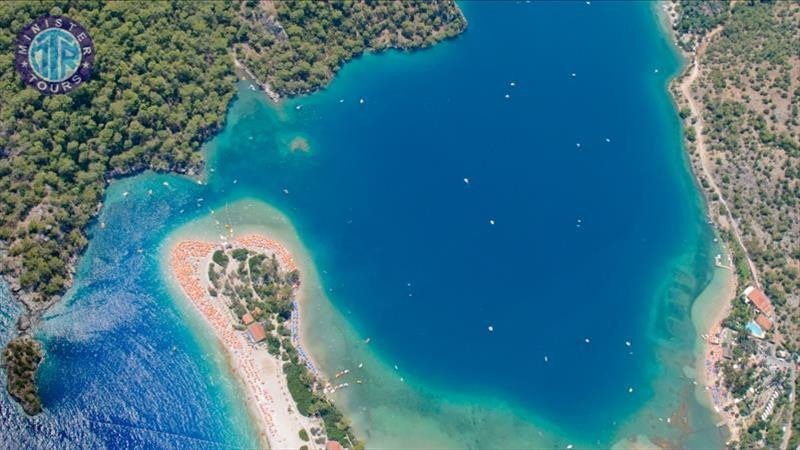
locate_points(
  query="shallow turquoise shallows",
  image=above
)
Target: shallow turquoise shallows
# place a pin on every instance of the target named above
(527, 176)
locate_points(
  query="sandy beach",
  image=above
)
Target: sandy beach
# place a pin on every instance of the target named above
(260, 373)
(719, 296)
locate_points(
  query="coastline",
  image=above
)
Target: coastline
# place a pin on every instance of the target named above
(336, 344)
(713, 305)
(709, 311)
(260, 374)
(248, 75)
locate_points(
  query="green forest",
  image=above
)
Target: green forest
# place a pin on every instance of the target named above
(161, 85)
(309, 41)
(162, 80)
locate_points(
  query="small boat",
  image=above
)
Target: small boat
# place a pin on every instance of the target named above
(361, 101)
(491, 221)
(587, 340)
(360, 365)
(466, 180)
(491, 328)
(508, 95)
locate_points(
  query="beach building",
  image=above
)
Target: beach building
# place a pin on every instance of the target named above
(333, 445)
(256, 332)
(764, 322)
(759, 300)
(247, 319)
(727, 352)
(727, 338)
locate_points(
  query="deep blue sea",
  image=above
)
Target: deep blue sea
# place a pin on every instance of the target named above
(526, 176)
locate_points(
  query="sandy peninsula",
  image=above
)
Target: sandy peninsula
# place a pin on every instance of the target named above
(260, 373)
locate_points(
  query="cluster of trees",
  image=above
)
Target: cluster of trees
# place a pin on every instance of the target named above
(22, 356)
(160, 87)
(697, 17)
(794, 441)
(304, 389)
(307, 42)
(256, 284)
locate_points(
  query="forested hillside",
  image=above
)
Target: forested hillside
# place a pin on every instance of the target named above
(745, 101)
(750, 89)
(162, 80)
(161, 85)
(308, 42)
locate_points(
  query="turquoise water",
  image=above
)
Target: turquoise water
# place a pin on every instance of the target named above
(584, 259)
(755, 329)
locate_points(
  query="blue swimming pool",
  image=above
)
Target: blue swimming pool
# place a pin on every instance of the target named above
(755, 329)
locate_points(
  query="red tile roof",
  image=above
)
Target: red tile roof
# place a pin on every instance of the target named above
(761, 301)
(257, 332)
(333, 445)
(247, 319)
(764, 322)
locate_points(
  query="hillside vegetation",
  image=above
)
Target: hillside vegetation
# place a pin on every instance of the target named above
(162, 81)
(308, 42)
(748, 92)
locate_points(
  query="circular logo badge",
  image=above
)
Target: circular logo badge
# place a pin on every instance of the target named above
(54, 54)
